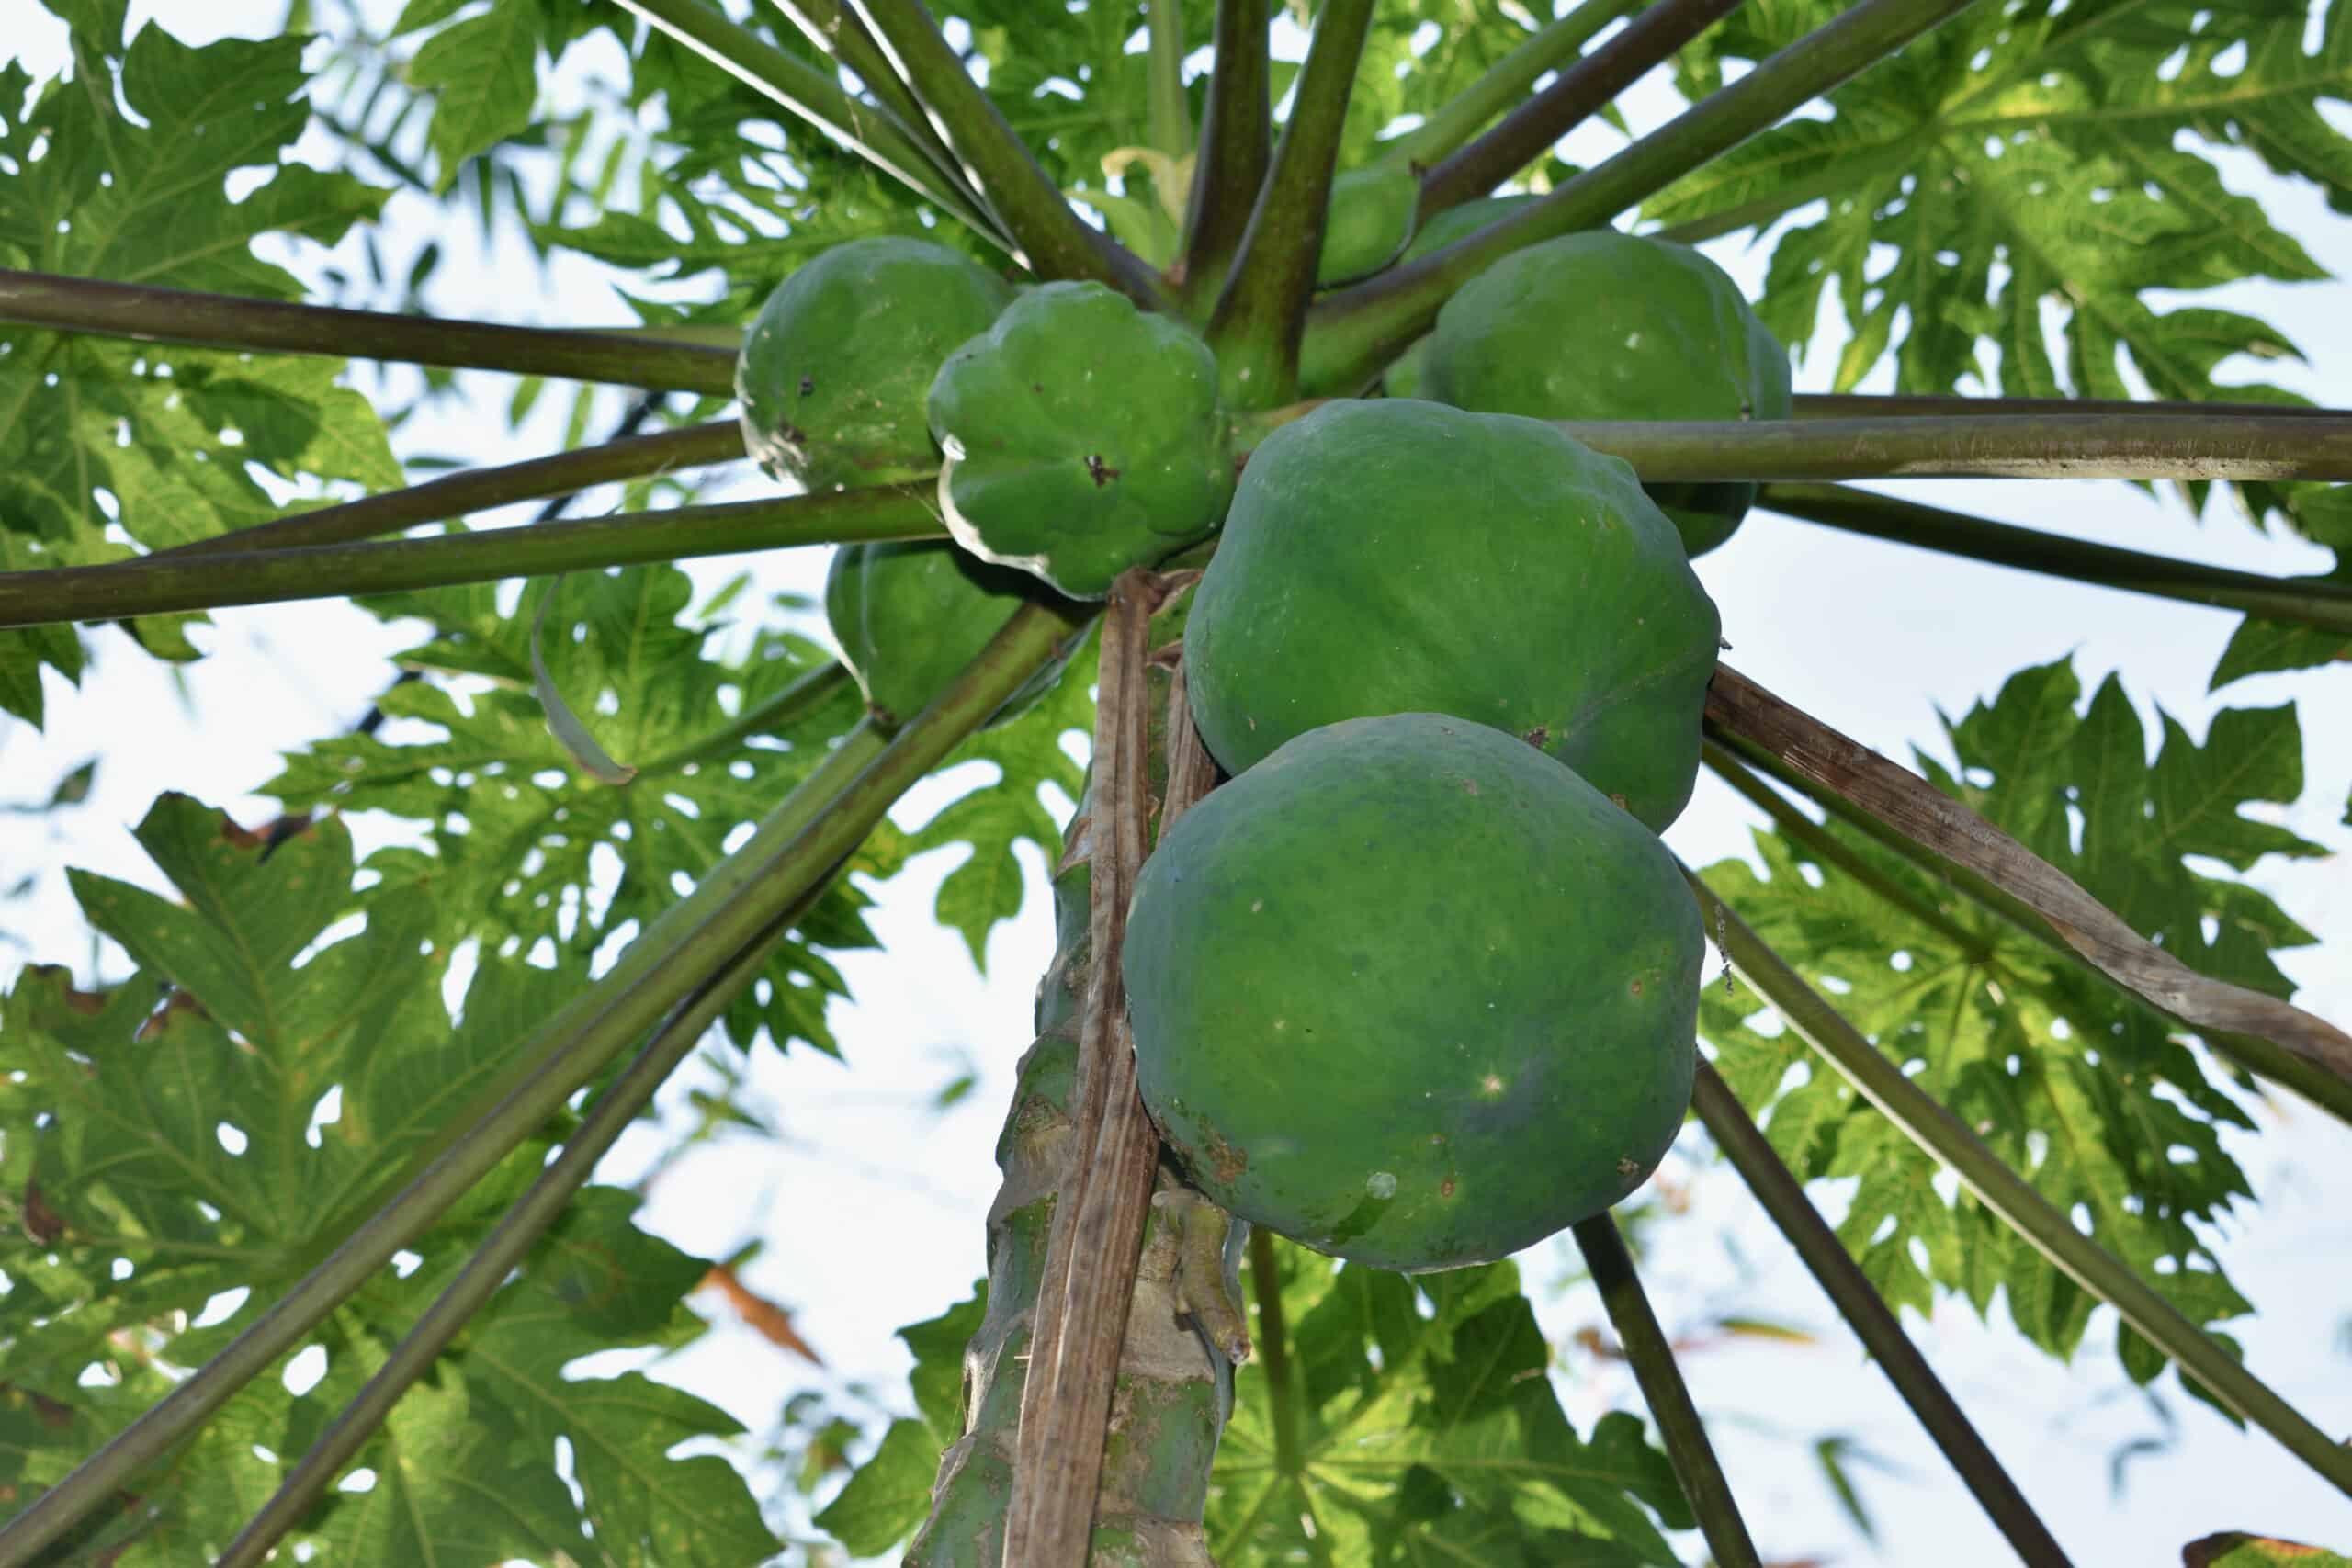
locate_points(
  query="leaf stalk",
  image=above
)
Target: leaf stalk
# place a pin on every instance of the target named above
(221, 320)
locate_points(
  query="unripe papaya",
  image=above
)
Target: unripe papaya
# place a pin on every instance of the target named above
(1410, 994)
(910, 614)
(1083, 436)
(1606, 325)
(1391, 556)
(1367, 223)
(833, 373)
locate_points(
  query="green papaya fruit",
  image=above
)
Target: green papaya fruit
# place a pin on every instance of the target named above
(908, 615)
(1410, 994)
(1606, 325)
(833, 374)
(1393, 555)
(1368, 221)
(1407, 373)
(1453, 224)
(1083, 436)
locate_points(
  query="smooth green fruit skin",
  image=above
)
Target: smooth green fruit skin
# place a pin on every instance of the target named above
(1083, 436)
(910, 615)
(1367, 223)
(1412, 995)
(1394, 556)
(1454, 224)
(1607, 325)
(833, 374)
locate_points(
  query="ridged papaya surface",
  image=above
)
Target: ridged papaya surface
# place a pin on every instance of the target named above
(1083, 436)
(1391, 556)
(833, 374)
(1413, 995)
(1606, 325)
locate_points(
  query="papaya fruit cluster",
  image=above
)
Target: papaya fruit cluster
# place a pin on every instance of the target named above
(1416, 986)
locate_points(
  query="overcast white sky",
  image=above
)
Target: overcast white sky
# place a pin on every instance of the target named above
(871, 1208)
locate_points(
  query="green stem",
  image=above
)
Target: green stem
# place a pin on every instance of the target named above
(1650, 1355)
(1944, 1137)
(158, 583)
(2252, 1052)
(2016, 446)
(1272, 1343)
(504, 1250)
(781, 711)
(1237, 146)
(2308, 602)
(220, 321)
(1052, 240)
(693, 940)
(479, 490)
(840, 32)
(1257, 324)
(1581, 91)
(1355, 331)
(1502, 85)
(1861, 405)
(1859, 1302)
(868, 129)
(1172, 117)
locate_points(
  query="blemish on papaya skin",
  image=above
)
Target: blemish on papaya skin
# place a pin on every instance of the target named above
(808, 385)
(1470, 786)
(1229, 1163)
(1102, 473)
(1539, 737)
(1626, 1168)
(1445, 1188)
(1636, 986)
(1620, 800)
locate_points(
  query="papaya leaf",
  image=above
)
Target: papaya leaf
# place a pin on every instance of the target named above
(2083, 1088)
(121, 170)
(889, 1493)
(1011, 808)
(1428, 1431)
(2031, 156)
(173, 1146)
(521, 849)
(2260, 646)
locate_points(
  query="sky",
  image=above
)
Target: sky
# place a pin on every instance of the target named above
(1876, 639)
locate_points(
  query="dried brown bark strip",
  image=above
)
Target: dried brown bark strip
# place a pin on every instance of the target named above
(1928, 817)
(1098, 1221)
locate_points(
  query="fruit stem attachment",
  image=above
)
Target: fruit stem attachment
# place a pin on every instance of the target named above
(1873, 1323)
(1052, 242)
(870, 130)
(1503, 85)
(1237, 144)
(1581, 91)
(1651, 1355)
(1090, 1252)
(1726, 752)
(2308, 602)
(222, 321)
(1923, 813)
(1258, 318)
(562, 474)
(1949, 1140)
(1353, 332)
(508, 1245)
(171, 582)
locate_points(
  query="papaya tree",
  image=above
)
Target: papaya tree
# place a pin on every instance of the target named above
(1256, 401)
